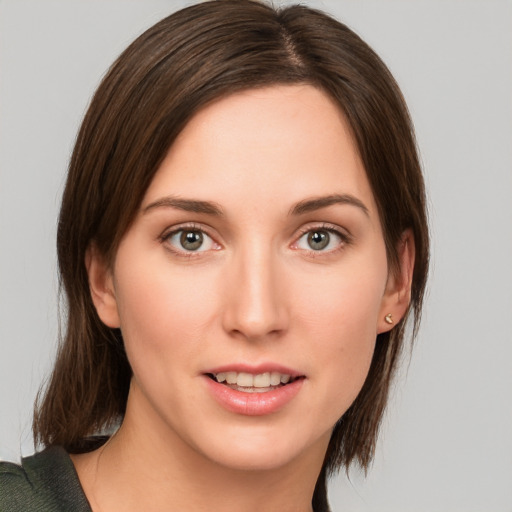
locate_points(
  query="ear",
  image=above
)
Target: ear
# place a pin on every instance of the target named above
(101, 285)
(397, 295)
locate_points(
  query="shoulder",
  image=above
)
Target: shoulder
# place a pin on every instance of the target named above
(46, 481)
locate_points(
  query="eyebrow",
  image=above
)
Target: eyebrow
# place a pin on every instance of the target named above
(187, 205)
(316, 203)
(211, 208)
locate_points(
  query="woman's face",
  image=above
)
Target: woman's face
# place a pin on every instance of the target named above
(252, 285)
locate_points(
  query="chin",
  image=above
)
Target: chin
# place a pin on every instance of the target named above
(259, 452)
(247, 460)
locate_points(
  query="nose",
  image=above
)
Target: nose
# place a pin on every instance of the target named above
(256, 305)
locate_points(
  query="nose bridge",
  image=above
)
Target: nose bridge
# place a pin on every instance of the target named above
(256, 305)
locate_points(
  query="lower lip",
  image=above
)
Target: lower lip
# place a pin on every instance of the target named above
(253, 404)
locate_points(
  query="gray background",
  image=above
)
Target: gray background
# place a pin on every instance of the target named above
(446, 442)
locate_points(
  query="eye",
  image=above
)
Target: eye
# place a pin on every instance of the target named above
(320, 239)
(190, 240)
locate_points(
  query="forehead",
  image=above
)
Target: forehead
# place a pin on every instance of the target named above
(278, 143)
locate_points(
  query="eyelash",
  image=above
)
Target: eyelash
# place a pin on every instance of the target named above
(168, 234)
(345, 239)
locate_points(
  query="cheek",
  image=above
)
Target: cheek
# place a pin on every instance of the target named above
(162, 312)
(346, 301)
(341, 317)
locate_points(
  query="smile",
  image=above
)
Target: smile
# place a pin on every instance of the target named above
(255, 391)
(252, 383)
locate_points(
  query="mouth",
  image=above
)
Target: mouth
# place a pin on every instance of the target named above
(253, 383)
(253, 390)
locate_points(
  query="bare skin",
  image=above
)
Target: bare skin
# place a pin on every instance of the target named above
(282, 266)
(118, 478)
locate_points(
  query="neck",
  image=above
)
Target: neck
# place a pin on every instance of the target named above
(145, 466)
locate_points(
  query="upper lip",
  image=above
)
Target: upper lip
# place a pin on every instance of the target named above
(255, 369)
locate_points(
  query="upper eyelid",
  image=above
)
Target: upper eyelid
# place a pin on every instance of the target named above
(345, 237)
(164, 239)
(210, 232)
(327, 226)
(191, 226)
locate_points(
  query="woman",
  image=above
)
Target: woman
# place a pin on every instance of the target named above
(242, 238)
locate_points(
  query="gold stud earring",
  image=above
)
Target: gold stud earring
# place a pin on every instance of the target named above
(389, 318)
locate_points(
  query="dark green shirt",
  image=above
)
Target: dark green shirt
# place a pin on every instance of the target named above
(45, 482)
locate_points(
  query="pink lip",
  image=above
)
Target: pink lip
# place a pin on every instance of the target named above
(255, 369)
(253, 404)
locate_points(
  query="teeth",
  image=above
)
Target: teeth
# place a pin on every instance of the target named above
(245, 380)
(275, 379)
(231, 377)
(285, 379)
(262, 380)
(248, 380)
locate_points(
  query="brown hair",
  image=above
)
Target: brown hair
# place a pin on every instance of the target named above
(160, 81)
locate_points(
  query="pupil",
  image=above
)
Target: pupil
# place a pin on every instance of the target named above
(191, 240)
(318, 240)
